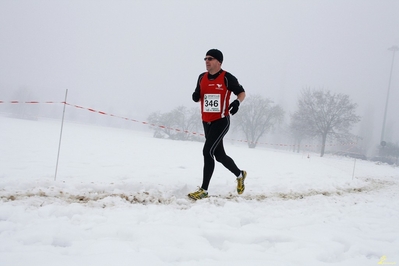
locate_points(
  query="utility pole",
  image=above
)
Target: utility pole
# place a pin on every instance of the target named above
(393, 49)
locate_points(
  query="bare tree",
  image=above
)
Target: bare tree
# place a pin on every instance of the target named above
(325, 115)
(256, 117)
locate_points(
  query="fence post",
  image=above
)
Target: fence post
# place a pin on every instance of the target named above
(59, 143)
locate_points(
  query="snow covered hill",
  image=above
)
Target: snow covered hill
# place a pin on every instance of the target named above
(120, 199)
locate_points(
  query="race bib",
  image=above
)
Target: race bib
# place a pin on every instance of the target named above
(212, 103)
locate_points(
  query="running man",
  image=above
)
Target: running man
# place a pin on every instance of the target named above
(213, 91)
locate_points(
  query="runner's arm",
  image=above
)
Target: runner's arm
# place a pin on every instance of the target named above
(233, 85)
(197, 94)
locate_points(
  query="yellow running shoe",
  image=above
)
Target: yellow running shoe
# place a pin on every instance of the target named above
(199, 194)
(240, 182)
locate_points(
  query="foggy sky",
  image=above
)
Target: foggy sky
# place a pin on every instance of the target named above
(138, 57)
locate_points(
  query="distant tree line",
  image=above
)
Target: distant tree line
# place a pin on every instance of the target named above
(320, 115)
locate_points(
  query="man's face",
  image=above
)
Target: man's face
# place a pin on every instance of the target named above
(212, 64)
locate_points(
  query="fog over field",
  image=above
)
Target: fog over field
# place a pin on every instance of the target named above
(137, 57)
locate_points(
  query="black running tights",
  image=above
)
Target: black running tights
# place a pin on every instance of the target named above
(213, 149)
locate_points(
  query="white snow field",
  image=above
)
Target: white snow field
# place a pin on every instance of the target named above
(120, 199)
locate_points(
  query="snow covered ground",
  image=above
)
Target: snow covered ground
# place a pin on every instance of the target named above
(120, 199)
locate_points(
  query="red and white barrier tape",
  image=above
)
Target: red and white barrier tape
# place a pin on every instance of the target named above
(134, 120)
(34, 102)
(175, 129)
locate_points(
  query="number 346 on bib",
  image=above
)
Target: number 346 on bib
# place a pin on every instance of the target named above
(212, 103)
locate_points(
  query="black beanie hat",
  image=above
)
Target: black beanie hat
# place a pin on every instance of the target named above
(215, 53)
